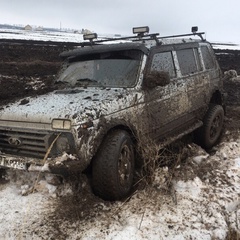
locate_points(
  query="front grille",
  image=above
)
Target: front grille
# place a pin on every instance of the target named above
(24, 143)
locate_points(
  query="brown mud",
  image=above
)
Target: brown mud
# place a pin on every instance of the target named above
(28, 69)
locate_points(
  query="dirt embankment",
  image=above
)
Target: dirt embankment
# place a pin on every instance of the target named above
(228, 59)
(28, 69)
(26, 60)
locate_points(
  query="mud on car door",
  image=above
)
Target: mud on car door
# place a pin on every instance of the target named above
(196, 79)
(167, 105)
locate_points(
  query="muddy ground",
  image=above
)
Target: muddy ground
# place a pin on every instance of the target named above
(28, 69)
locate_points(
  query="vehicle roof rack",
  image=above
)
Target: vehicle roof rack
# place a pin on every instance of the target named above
(194, 33)
(152, 36)
(142, 34)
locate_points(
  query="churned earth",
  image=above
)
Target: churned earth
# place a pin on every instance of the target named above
(195, 197)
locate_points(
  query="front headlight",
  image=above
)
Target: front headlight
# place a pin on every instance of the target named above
(61, 124)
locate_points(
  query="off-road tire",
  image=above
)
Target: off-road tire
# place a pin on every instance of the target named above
(209, 134)
(113, 166)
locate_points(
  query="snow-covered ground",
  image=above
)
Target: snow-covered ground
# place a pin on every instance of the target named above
(203, 202)
(229, 46)
(59, 36)
(63, 36)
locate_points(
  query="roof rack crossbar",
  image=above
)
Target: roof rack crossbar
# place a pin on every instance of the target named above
(199, 34)
(144, 37)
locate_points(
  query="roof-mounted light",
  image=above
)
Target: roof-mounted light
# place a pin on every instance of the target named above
(194, 29)
(90, 36)
(141, 30)
(195, 32)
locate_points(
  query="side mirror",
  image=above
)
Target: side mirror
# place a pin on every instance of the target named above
(155, 79)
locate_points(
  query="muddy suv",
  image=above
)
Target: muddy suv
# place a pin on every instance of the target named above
(111, 95)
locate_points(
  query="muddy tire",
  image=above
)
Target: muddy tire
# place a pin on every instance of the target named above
(209, 134)
(113, 166)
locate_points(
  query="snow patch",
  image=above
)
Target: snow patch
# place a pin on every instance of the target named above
(65, 157)
(237, 162)
(191, 188)
(200, 158)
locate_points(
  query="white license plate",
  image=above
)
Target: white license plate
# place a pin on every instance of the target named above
(12, 163)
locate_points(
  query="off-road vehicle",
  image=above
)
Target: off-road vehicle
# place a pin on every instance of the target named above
(110, 95)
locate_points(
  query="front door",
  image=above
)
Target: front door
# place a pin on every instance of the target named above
(167, 105)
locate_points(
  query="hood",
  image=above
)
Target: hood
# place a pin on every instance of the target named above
(75, 104)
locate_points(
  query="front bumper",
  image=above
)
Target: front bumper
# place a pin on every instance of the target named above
(63, 165)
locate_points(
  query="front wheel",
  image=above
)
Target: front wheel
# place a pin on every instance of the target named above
(210, 132)
(113, 166)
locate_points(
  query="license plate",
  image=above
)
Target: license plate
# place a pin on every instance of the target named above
(12, 163)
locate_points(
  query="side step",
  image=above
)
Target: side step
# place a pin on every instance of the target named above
(178, 136)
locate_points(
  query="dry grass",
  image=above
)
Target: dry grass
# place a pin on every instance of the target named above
(154, 156)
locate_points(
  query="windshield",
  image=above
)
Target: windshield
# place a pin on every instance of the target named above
(114, 69)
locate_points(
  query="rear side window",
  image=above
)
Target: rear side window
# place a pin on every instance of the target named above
(207, 58)
(187, 61)
(163, 61)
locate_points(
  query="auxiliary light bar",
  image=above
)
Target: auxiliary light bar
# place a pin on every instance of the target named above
(89, 36)
(141, 30)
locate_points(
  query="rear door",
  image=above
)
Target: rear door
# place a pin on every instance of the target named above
(196, 77)
(192, 73)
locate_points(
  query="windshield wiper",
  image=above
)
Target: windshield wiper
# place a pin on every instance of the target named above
(60, 82)
(86, 80)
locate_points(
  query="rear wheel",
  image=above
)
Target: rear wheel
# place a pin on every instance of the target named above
(113, 166)
(209, 134)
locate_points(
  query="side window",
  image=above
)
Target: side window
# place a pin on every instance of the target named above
(207, 58)
(163, 61)
(187, 61)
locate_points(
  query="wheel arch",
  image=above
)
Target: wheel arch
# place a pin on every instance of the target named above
(218, 98)
(102, 135)
(128, 129)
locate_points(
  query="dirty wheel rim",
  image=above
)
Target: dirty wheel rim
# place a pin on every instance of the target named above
(124, 165)
(216, 126)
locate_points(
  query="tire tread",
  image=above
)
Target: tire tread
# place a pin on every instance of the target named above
(104, 182)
